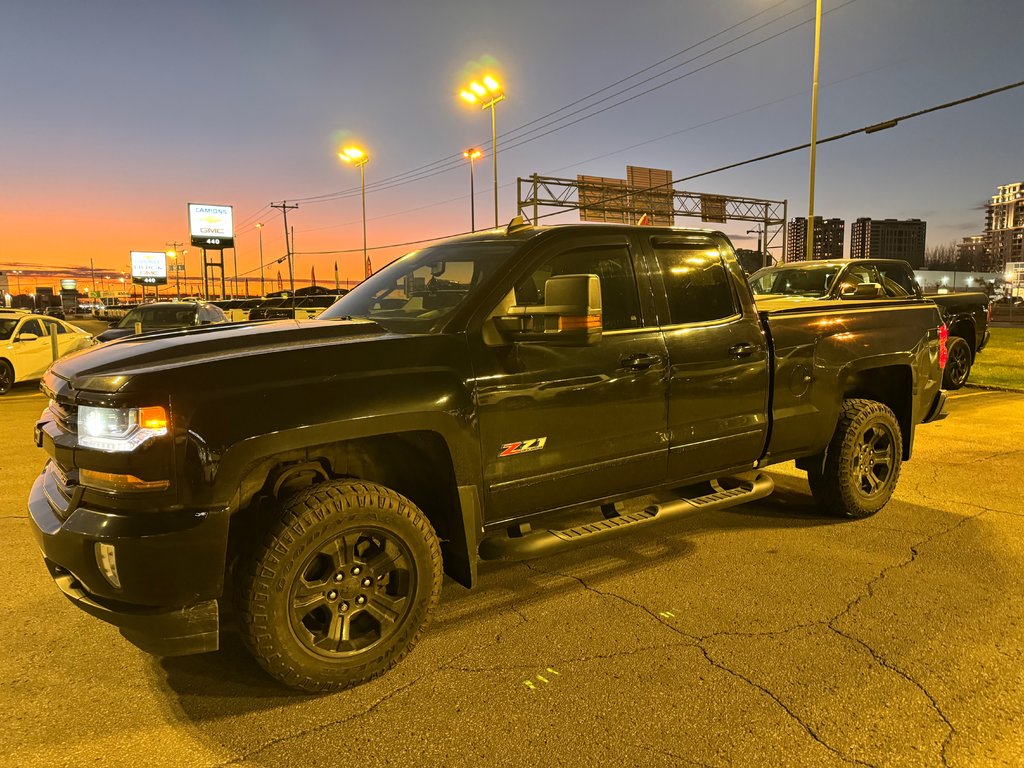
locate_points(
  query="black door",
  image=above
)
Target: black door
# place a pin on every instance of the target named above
(566, 425)
(718, 357)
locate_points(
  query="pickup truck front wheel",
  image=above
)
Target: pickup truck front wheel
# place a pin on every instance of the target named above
(341, 587)
(958, 364)
(862, 462)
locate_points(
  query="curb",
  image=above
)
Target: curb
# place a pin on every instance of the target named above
(993, 388)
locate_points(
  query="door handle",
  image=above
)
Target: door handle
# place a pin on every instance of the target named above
(742, 349)
(639, 362)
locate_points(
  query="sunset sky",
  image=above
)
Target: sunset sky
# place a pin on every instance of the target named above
(118, 114)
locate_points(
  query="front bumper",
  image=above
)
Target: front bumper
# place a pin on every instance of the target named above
(171, 568)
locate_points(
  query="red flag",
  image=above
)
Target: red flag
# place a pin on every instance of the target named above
(312, 275)
(280, 285)
(335, 276)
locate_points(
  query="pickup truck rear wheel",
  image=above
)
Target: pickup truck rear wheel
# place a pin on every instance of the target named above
(862, 462)
(341, 587)
(958, 364)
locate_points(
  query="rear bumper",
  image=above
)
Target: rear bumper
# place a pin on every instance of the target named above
(936, 412)
(170, 568)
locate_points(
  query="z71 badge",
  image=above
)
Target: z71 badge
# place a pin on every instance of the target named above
(523, 446)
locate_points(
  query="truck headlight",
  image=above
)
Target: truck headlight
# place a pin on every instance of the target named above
(119, 429)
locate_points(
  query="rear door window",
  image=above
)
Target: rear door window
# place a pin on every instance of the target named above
(897, 280)
(697, 285)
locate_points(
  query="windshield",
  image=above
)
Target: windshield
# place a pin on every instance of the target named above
(813, 281)
(159, 317)
(414, 293)
(7, 327)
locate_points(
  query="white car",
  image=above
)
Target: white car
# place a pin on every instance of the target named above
(25, 346)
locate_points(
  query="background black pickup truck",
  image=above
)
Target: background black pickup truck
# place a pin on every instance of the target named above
(966, 315)
(322, 474)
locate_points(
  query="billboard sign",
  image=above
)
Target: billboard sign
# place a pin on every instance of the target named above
(652, 194)
(68, 285)
(149, 268)
(603, 199)
(211, 226)
(712, 208)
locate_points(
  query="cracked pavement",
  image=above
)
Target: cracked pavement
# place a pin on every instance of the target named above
(761, 635)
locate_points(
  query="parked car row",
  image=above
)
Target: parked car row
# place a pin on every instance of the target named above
(278, 307)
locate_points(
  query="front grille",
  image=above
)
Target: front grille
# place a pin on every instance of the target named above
(65, 413)
(59, 490)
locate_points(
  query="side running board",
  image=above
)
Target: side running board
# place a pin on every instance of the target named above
(726, 492)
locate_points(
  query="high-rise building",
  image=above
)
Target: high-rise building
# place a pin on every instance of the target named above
(888, 239)
(828, 239)
(974, 254)
(1004, 224)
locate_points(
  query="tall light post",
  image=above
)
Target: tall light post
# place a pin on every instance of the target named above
(487, 94)
(177, 286)
(814, 131)
(358, 158)
(263, 291)
(472, 154)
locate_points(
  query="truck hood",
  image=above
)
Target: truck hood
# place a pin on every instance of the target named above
(109, 367)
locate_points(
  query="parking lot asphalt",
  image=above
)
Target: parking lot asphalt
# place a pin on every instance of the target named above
(766, 635)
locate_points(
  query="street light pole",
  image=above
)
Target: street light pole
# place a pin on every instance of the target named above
(367, 271)
(814, 132)
(358, 158)
(472, 153)
(263, 290)
(494, 156)
(474, 93)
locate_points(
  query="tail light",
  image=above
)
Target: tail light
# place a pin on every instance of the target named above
(943, 349)
(988, 312)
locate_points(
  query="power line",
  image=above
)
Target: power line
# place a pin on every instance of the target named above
(452, 162)
(868, 129)
(412, 177)
(873, 128)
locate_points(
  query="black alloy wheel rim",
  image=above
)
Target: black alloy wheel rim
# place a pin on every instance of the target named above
(6, 378)
(957, 363)
(352, 592)
(874, 460)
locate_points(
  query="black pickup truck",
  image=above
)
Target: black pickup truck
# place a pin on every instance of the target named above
(966, 315)
(320, 475)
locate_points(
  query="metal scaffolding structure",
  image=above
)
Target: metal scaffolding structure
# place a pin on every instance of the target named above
(621, 202)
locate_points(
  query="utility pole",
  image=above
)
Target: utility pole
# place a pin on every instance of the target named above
(177, 287)
(760, 252)
(283, 205)
(814, 133)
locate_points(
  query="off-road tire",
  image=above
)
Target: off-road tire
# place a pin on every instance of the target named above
(958, 363)
(862, 461)
(275, 578)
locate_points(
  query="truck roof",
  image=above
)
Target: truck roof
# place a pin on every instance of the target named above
(520, 230)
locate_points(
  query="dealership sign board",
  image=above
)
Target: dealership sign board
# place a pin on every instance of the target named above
(211, 226)
(149, 268)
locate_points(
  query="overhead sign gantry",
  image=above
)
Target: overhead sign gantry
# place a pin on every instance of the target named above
(649, 191)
